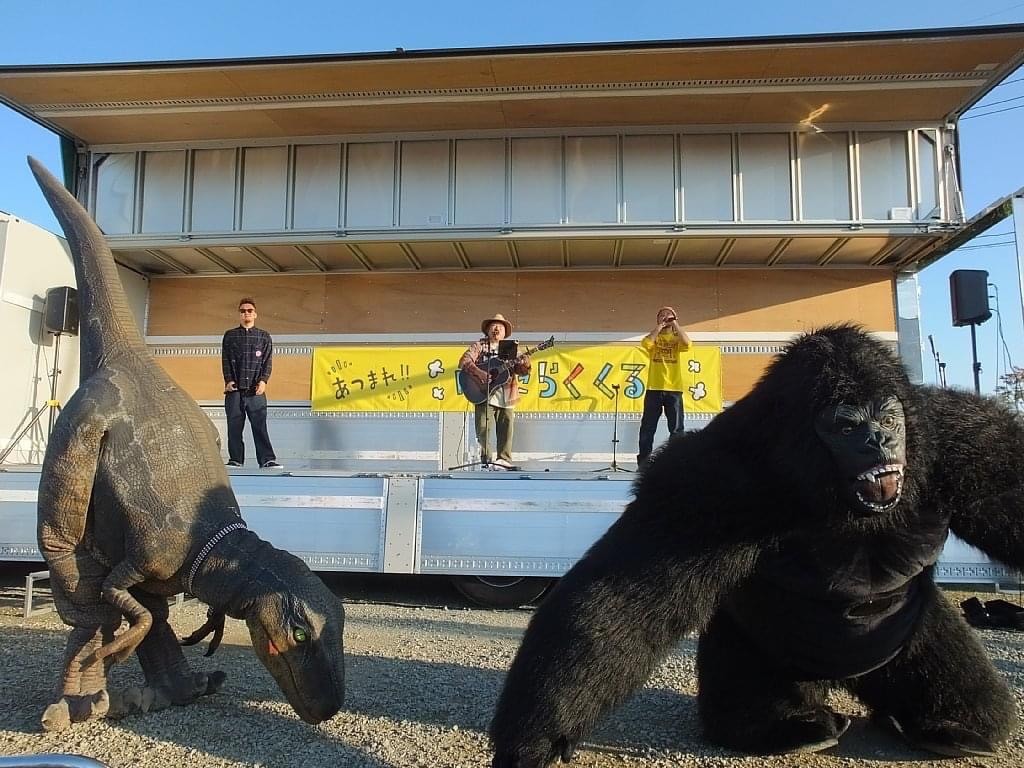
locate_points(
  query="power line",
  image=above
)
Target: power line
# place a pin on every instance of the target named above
(993, 112)
(994, 103)
(986, 245)
(1001, 339)
(994, 13)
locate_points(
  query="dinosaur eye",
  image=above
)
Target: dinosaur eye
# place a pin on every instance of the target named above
(847, 430)
(300, 635)
(888, 421)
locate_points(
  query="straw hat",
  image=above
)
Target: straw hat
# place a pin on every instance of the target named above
(497, 318)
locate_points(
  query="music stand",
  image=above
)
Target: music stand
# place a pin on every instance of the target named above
(508, 349)
(614, 466)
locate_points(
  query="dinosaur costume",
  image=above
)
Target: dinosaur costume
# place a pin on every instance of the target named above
(135, 506)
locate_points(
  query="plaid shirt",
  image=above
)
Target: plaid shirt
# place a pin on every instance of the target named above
(247, 357)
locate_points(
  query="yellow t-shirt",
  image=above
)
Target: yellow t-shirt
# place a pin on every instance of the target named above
(665, 371)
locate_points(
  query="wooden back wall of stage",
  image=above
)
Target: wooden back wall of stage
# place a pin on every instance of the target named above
(583, 301)
(536, 302)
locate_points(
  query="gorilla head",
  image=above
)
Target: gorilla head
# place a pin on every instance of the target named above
(837, 411)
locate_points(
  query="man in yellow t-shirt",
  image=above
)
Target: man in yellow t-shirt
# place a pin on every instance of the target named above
(664, 346)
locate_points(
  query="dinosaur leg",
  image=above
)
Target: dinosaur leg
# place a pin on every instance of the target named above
(116, 592)
(169, 678)
(75, 579)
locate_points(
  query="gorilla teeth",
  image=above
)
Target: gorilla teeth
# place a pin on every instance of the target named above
(883, 469)
(874, 475)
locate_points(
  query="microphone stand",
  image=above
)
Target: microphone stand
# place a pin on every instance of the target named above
(940, 366)
(614, 466)
(488, 418)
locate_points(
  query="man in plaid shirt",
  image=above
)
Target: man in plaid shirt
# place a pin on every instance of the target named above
(246, 358)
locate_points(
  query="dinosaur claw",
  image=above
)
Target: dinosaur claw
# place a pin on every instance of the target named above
(125, 702)
(218, 635)
(214, 682)
(99, 704)
(57, 716)
(145, 698)
(159, 699)
(214, 625)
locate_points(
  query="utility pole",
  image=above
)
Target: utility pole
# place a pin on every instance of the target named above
(1018, 232)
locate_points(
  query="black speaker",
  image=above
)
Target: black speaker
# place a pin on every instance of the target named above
(968, 294)
(61, 313)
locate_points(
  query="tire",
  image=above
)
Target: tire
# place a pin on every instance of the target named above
(501, 591)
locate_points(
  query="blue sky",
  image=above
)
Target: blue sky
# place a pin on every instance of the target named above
(59, 32)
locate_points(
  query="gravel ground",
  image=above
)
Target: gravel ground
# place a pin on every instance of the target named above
(423, 672)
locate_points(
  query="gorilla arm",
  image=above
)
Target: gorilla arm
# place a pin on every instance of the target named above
(978, 471)
(657, 574)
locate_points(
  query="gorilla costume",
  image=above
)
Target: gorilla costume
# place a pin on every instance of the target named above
(797, 533)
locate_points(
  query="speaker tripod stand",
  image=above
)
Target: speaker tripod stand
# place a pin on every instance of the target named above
(51, 406)
(614, 466)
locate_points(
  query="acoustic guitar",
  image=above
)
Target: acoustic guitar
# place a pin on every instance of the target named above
(498, 372)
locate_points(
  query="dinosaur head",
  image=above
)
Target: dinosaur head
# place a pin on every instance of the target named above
(296, 623)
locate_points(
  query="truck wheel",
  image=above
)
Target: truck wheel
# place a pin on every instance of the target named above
(501, 591)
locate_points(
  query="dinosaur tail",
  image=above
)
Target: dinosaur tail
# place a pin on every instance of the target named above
(106, 323)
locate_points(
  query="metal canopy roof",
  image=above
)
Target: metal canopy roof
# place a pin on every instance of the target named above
(705, 250)
(862, 79)
(910, 76)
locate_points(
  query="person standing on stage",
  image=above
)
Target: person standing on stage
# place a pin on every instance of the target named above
(664, 346)
(496, 414)
(247, 359)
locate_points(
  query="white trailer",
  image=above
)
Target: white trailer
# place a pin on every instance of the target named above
(765, 186)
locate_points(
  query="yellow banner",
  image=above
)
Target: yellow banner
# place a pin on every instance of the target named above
(575, 379)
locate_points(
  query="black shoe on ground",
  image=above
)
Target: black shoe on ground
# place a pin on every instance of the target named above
(233, 463)
(976, 614)
(1004, 614)
(272, 465)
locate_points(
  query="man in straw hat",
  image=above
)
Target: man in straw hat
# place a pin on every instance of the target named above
(665, 383)
(496, 414)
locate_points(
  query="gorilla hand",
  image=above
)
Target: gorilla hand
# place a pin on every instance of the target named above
(529, 757)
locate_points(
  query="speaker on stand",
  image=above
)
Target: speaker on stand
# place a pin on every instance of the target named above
(60, 317)
(968, 296)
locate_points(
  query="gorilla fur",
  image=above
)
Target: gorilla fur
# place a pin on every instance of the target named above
(747, 533)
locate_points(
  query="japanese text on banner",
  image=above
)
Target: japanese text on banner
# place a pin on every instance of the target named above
(574, 379)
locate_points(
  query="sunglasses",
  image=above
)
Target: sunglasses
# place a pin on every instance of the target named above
(247, 310)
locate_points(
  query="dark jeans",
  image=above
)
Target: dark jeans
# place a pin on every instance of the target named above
(237, 406)
(656, 401)
(491, 420)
